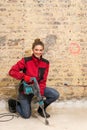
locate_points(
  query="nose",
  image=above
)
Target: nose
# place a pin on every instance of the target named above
(38, 52)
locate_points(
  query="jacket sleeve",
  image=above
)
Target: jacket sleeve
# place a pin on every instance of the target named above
(15, 70)
(42, 83)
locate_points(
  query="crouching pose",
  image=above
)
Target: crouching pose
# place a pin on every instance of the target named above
(26, 68)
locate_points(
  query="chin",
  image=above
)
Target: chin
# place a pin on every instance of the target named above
(37, 56)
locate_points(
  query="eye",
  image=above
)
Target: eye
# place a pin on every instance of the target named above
(41, 50)
(36, 49)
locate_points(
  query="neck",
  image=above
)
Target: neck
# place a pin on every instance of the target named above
(37, 57)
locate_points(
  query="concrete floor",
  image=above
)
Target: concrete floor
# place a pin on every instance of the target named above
(64, 116)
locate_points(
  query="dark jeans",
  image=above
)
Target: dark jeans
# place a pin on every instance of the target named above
(24, 108)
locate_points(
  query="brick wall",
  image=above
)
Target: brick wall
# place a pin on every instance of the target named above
(62, 26)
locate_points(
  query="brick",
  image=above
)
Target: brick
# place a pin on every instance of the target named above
(58, 23)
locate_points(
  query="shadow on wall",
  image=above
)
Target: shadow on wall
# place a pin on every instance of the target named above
(50, 40)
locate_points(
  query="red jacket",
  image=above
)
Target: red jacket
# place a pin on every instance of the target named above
(33, 67)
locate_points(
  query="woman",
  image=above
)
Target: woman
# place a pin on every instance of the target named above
(24, 70)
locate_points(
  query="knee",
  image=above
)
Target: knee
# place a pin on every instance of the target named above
(56, 95)
(26, 115)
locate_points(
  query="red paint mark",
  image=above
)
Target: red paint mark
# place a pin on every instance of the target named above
(74, 48)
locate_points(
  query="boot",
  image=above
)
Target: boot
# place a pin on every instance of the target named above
(12, 105)
(40, 111)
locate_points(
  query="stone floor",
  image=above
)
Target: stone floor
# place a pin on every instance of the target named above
(68, 115)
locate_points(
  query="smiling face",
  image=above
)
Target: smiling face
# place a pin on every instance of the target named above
(38, 51)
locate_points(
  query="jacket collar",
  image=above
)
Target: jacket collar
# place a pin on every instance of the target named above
(36, 58)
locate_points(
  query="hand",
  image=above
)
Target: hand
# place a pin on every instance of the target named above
(27, 78)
